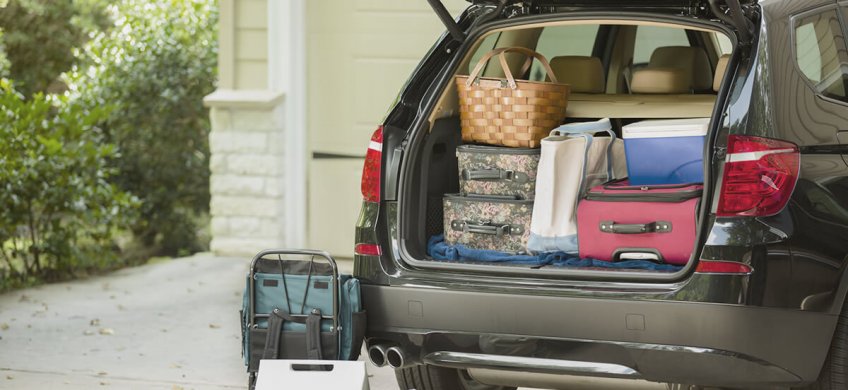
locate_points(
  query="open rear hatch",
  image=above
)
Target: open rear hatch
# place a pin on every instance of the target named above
(431, 172)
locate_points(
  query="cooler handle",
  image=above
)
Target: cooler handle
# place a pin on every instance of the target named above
(635, 228)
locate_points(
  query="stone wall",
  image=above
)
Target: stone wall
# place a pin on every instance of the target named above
(247, 181)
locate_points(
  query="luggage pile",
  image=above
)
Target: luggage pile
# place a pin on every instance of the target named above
(538, 188)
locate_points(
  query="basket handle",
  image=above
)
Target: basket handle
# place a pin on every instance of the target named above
(530, 54)
(510, 79)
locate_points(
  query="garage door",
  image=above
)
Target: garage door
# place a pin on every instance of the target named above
(359, 53)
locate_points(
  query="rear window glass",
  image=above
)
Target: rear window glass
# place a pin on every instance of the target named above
(573, 40)
(821, 54)
(649, 38)
(487, 45)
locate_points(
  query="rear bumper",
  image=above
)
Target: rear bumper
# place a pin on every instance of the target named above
(665, 341)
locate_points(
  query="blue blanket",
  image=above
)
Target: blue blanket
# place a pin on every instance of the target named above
(439, 250)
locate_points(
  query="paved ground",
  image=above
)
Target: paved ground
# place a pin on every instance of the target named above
(169, 325)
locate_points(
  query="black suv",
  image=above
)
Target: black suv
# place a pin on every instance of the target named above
(761, 301)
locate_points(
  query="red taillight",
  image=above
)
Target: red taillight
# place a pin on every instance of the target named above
(759, 176)
(371, 171)
(722, 267)
(367, 250)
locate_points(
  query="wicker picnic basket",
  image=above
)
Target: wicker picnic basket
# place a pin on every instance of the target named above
(510, 112)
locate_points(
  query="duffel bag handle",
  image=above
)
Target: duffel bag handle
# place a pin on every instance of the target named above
(475, 74)
(599, 126)
(635, 228)
(587, 129)
(495, 174)
(487, 228)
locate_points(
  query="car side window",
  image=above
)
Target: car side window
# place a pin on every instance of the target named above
(649, 38)
(821, 54)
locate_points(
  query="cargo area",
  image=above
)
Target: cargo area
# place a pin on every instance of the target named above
(647, 80)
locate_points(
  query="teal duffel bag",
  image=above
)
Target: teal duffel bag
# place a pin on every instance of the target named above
(297, 306)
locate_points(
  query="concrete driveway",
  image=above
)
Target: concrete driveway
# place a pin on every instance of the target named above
(168, 325)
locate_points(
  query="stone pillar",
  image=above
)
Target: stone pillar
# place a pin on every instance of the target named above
(258, 140)
(247, 163)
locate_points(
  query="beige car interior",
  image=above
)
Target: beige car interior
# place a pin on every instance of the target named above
(584, 74)
(677, 82)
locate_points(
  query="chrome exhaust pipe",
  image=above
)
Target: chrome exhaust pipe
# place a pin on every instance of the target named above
(394, 357)
(377, 354)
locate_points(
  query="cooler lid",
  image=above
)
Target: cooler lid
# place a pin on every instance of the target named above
(662, 128)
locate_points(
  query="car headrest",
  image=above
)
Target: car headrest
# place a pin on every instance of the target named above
(584, 74)
(660, 80)
(692, 59)
(721, 68)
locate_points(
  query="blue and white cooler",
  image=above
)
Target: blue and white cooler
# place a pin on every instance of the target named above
(668, 151)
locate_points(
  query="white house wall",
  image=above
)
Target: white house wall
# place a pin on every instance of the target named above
(297, 79)
(359, 54)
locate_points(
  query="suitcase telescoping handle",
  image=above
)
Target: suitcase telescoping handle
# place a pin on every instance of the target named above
(268, 253)
(635, 228)
(495, 174)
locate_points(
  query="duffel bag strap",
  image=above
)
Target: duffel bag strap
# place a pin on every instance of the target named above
(275, 329)
(313, 335)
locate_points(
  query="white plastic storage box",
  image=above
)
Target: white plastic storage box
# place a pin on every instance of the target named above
(668, 151)
(311, 374)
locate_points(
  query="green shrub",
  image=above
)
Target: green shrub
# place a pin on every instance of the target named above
(155, 66)
(57, 209)
(4, 60)
(40, 36)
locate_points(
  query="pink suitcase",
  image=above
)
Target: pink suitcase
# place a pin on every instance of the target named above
(617, 221)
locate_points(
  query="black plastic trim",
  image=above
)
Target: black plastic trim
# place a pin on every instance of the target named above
(688, 330)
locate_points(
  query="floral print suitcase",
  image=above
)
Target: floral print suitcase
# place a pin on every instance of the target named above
(491, 222)
(491, 170)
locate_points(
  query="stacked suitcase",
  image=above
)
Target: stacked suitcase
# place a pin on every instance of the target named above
(493, 209)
